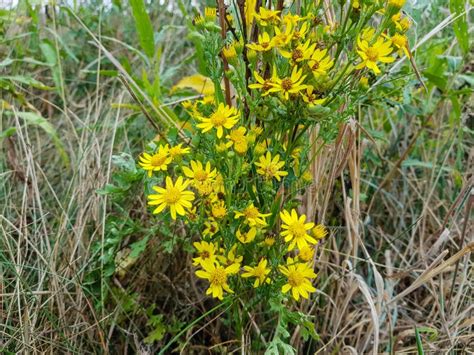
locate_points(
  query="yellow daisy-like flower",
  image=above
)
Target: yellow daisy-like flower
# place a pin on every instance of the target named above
(289, 85)
(306, 253)
(262, 84)
(178, 151)
(300, 53)
(156, 162)
(295, 229)
(281, 39)
(206, 252)
(266, 17)
(319, 232)
(264, 43)
(320, 63)
(252, 216)
(260, 272)
(246, 237)
(292, 19)
(238, 139)
(231, 258)
(211, 227)
(224, 117)
(299, 276)
(219, 210)
(198, 173)
(270, 168)
(401, 43)
(299, 34)
(371, 54)
(173, 195)
(229, 52)
(269, 241)
(217, 276)
(310, 97)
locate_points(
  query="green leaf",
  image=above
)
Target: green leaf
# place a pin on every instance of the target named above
(37, 120)
(27, 81)
(144, 27)
(10, 131)
(138, 247)
(460, 27)
(49, 53)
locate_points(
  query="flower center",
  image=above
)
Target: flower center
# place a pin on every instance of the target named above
(205, 255)
(267, 85)
(200, 175)
(157, 159)
(218, 277)
(251, 212)
(259, 272)
(297, 54)
(265, 44)
(218, 119)
(295, 278)
(286, 84)
(298, 229)
(172, 195)
(372, 54)
(315, 66)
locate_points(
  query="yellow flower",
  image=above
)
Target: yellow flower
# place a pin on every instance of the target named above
(311, 98)
(261, 148)
(229, 52)
(174, 195)
(364, 82)
(219, 210)
(270, 168)
(246, 237)
(307, 176)
(263, 84)
(320, 63)
(217, 276)
(289, 85)
(198, 20)
(253, 133)
(263, 44)
(269, 241)
(211, 227)
(198, 173)
(299, 34)
(252, 216)
(210, 13)
(238, 139)
(266, 17)
(231, 258)
(396, 3)
(306, 253)
(260, 272)
(319, 232)
(221, 147)
(371, 54)
(206, 252)
(156, 162)
(224, 117)
(299, 276)
(177, 151)
(300, 52)
(401, 43)
(281, 39)
(295, 229)
(292, 19)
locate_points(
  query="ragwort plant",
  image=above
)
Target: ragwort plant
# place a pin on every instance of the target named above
(234, 182)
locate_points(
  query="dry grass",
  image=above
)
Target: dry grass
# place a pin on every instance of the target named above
(396, 259)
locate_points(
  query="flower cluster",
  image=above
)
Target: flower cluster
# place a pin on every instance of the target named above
(235, 183)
